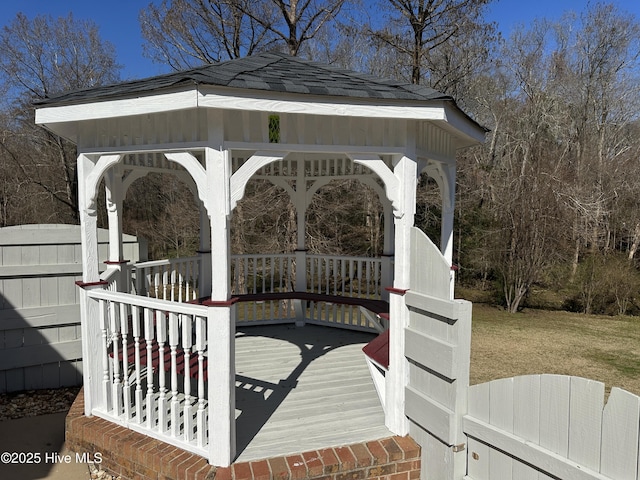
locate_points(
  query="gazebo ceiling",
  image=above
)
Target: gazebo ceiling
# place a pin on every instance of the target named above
(269, 82)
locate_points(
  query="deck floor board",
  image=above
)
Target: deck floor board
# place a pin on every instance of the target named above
(300, 389)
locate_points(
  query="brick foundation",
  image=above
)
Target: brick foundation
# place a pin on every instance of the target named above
(134, 456)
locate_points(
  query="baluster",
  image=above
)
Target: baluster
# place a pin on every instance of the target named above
(149, 337)
(184, 282)
(124, 329)
(369, 277)
(189, 267)
(272, 262)
(327, 282)
(174, 337)
(312, 286)
(116, 392)
(254, 286)
(156, 281)
(165, 280)
(246, 274)
(106, 380)
(161, 337)
(234, 275)
(201, 414)
(135, 325)
(173, 269)
(195, 281)
(187, 343)
(343, 275)
(147, 279)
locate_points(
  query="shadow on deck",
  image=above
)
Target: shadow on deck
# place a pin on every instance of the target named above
(302, 389)
(304, 401)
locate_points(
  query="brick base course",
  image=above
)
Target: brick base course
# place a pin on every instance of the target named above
(135, 456)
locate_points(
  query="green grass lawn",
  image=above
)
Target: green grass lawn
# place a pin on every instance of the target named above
(602, 348)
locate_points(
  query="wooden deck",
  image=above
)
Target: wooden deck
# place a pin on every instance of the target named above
(300, 389)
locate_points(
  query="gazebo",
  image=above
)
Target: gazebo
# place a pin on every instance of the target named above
(159, 338)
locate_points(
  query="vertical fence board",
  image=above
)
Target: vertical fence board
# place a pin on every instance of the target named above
(585, 428)
(501, 415)
(620, 421)
(478, 453)
(554, 424)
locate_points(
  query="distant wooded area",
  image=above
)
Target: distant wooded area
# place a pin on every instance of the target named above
(548, 210)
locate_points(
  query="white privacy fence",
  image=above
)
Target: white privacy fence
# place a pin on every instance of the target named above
(153, 367)
(40, 328)
(551, 426)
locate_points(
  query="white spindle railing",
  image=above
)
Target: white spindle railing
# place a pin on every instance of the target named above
(174, 279)
(112, 276)
(263, 274)
(149, 380)
(345, 276)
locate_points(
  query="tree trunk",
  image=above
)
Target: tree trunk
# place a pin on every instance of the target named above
(635, 243)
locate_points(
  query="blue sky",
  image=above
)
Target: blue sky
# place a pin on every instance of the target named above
(118, 21)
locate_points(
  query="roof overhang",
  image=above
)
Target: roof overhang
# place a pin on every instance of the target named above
(64, 119)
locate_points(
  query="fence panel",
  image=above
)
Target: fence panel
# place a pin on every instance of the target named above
(40, 344)
(551, 426)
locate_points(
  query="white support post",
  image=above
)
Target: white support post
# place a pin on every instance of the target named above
(221, 316)
(300, 202)
(221, 377)
(114, 198)
(89, 313)
(405, 171)
(448, 211)
(386, 274)
(113, 190)
(204, 275)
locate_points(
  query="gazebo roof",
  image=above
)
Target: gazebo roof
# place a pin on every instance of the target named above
(273, 72)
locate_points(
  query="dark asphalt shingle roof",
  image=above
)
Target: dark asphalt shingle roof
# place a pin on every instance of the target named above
(273, 72)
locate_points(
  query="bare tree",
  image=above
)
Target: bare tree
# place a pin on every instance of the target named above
(188, 33)
(298, 21)
(38, 59)
(418, 31)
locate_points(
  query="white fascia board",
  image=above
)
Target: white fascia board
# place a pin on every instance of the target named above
(469, 132)
(277, 102)
(161, 102)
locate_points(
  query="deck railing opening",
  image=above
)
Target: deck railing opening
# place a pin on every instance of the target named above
(154, 372)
